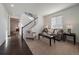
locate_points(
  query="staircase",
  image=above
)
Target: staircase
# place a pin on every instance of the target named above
(26, 30)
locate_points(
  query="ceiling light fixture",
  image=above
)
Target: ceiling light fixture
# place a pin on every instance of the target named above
(12, 5)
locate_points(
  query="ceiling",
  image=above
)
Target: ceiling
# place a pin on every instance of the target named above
(35, 8)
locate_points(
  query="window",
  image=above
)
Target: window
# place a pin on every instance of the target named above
(56, 22)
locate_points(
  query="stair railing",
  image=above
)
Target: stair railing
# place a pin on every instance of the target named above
(27, 25)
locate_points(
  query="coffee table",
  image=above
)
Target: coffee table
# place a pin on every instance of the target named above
(49, 36)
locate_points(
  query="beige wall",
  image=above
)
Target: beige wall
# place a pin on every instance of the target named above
(70, 16)
(47, 21)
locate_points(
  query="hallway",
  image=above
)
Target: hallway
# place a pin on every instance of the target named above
(14, 47)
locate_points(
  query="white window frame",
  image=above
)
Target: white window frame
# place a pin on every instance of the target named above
(55, 24)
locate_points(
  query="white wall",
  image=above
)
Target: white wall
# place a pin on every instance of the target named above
(24, 19)
(9, 16)
(3, 24)
(39, 26)
(70, 16)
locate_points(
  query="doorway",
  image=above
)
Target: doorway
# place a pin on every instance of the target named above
(14, 28)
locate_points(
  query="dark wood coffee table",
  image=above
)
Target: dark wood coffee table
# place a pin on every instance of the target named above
(49, 36)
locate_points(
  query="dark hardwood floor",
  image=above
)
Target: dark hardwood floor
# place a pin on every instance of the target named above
(15, 47)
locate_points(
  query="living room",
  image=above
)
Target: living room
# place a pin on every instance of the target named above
(67, 20)
(54, 25)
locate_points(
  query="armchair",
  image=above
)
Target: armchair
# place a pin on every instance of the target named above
(30, 35)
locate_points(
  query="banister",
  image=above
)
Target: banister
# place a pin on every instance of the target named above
(29, 23)
(25, 26)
